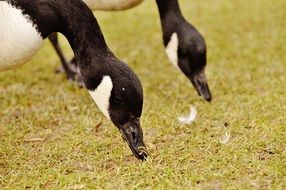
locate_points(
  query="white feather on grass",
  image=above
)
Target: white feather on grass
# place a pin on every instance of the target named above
(188, 119)
(225, 138)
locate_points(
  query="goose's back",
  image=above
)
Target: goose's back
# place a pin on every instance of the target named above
(112, 4)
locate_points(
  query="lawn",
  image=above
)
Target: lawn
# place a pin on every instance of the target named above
(52, 136)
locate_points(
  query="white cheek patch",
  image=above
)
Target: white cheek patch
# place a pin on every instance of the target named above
(19, 38)
(101, 95)
(172, 49)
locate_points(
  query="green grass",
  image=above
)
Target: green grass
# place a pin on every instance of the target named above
(77, 148)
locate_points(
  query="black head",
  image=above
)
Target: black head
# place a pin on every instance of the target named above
(119, 95)
(187, 50)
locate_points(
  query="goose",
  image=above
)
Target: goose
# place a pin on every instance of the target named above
(113, 86)
(184, 45)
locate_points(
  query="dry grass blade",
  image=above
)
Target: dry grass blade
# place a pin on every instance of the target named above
(36, 139)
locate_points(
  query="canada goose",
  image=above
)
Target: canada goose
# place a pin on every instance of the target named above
(111, 83)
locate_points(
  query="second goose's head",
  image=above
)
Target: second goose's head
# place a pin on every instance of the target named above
(118, 93)
(185, 46)
(187, 50)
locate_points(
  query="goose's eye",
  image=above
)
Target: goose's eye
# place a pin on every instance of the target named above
(183, 53)
(118, 100)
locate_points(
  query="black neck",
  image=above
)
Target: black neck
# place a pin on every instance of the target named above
(170, 13)
(73, 19)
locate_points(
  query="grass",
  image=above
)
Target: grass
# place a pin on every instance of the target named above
(52, 136)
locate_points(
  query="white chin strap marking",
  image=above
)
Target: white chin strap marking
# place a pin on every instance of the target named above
(101, 95)
(172, 49)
